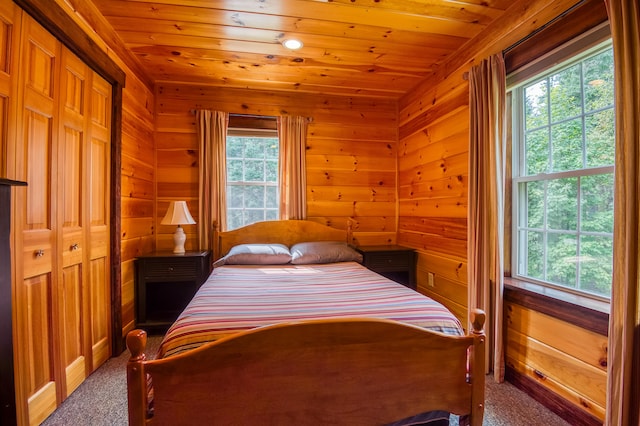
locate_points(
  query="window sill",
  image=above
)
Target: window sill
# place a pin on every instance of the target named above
(582, 311)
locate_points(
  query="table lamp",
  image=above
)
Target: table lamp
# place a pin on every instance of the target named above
(178, 214)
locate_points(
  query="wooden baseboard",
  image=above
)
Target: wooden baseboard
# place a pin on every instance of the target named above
(553, 402)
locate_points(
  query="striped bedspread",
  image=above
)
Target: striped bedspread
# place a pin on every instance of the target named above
(237, 298)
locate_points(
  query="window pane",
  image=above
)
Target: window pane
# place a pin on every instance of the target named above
(600, 138)
(234, 170)
(235, 196)
(566, 140)
(537, 152)
(598, 76)
(536, 113)
(271, 214)
(254, 171)
(562, 204)
(234, 219)
(234, 147)
(271, 148)
(534, 252)
(562, 254)
(596, 264)
(566, 94)
(535, 204)
(254, 148)
(272, 200)
(254, 216)
(597, 203)
(271, 171)
(254, 197)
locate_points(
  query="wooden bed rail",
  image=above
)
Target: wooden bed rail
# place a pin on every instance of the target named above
(358, 371)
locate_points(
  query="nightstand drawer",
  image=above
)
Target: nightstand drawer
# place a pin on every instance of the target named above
(389, 260)
(170, 269)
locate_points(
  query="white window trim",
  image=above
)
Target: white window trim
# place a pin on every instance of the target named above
(562, 57)
(252, 133)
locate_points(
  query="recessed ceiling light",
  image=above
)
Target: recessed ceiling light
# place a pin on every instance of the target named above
(292, 44)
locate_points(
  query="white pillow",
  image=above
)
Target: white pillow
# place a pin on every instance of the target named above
(323, 252)
(256, 254)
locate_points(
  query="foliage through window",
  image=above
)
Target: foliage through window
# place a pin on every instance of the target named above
(564, 140)
(252, 180)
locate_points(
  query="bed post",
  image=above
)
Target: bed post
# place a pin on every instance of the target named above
(136, 380)
(478, 318)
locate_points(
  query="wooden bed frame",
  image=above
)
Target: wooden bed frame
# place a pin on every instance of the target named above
(287, 232)
(357, 371)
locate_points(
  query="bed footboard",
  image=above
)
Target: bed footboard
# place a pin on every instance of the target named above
(355, 372)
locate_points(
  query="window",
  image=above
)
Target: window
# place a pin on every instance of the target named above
(563, 145)
(252, 178)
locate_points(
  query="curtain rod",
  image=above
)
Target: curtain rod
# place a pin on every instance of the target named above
(193, 112)
(551, 22)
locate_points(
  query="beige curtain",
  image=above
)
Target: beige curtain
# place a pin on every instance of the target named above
(292, 132)
(623, 388)
(485, 256)
(212, 187)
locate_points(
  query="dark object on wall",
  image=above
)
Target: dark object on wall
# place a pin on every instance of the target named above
(7, 390)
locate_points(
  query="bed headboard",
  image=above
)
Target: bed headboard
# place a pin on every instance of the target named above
(287, 232)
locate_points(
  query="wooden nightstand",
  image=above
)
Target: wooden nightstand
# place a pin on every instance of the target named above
(394, 262)
(165, 283)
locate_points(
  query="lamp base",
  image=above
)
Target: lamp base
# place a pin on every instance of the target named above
(179, 237)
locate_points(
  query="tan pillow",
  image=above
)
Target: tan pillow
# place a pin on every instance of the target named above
(323, 252)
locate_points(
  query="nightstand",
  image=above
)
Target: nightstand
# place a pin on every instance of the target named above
(165, 283)
(394, 262)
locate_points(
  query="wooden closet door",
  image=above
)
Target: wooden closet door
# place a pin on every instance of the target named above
(99, 303)
(71, 281)
(35, 273)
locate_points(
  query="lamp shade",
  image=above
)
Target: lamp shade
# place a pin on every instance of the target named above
(178, 214)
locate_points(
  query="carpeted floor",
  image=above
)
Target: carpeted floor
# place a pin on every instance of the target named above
(102, 400)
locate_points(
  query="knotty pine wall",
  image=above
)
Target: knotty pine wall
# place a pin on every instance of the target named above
(138, 152)
(351, 154)
(138, 187)
(432, 215)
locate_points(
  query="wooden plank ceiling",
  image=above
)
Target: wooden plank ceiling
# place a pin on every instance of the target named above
(379, 48)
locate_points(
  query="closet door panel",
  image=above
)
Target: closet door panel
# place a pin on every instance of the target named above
(99, 207)
(36, 276)
(38, 379)
(70, 334)
(71, 218)
(100, 324)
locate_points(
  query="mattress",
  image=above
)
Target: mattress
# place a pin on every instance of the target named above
(240, 297)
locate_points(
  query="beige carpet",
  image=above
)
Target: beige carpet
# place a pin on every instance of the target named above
(102, 400)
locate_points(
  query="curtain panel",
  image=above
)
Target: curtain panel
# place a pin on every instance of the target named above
(212, 179)
(485, 235)
(623, 386)
(292, 132)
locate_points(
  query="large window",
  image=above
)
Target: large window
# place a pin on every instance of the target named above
(252, 178)
(563, 140)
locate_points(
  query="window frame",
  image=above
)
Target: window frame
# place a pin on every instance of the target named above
(564, 56)
(242, 132)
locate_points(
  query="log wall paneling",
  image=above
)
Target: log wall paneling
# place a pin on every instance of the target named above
(570, 362)
(432, 197)
(351, 154)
